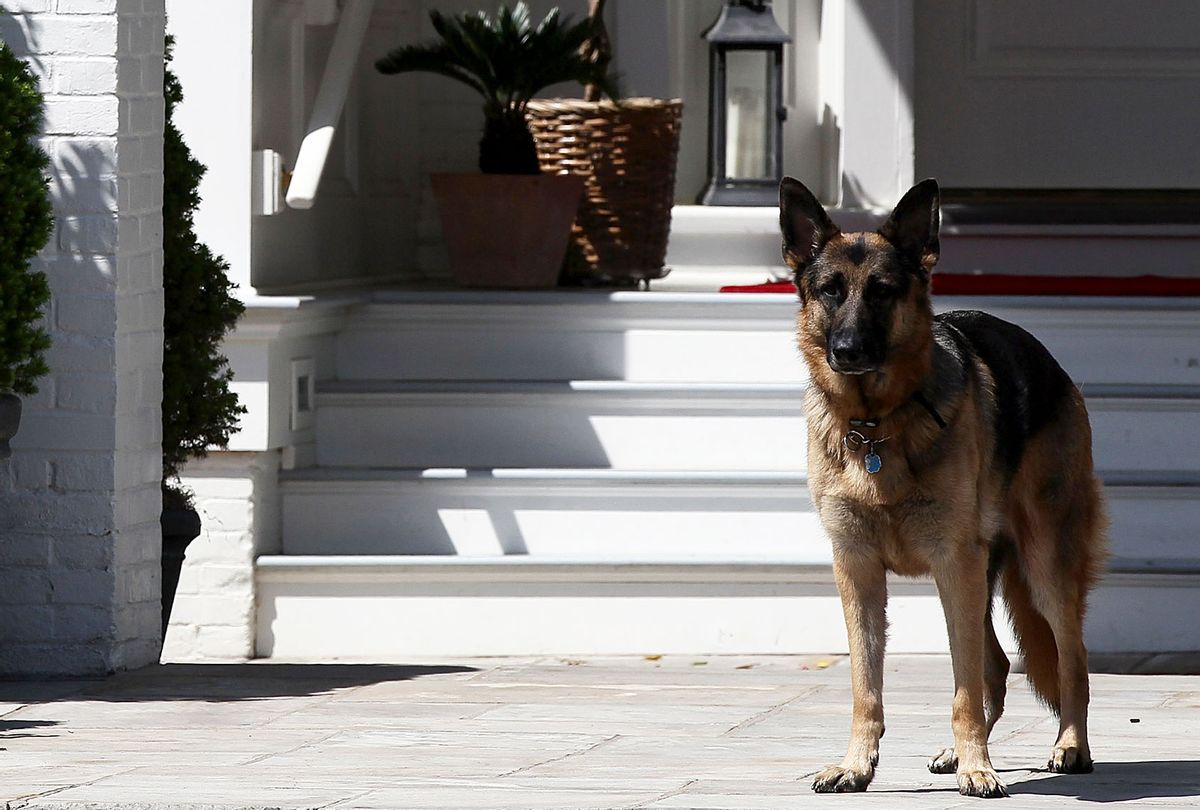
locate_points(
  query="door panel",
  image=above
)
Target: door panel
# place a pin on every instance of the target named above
(1059, 94)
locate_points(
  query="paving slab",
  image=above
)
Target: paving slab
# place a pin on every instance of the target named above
(655, 732)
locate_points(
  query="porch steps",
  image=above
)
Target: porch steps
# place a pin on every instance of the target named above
(580, 473)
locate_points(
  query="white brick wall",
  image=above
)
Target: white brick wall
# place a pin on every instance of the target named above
(79, 501)
(236, 495)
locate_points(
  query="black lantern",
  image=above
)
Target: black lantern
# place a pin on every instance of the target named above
(745, 112)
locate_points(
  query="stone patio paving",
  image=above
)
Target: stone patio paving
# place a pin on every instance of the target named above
(551, 733)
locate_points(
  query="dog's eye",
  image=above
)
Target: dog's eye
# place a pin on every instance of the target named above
(831, 288)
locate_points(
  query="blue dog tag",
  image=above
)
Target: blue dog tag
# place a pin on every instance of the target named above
(873, 462)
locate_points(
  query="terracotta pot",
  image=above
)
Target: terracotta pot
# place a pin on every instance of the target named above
(507, 230)
(179, 528)
(10, 420)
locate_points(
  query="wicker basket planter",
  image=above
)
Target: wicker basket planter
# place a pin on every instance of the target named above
(626, 153)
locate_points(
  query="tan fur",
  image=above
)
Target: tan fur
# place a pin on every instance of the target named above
(917, 517)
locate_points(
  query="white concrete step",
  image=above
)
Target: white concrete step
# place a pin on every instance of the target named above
(713, 246)
(578, 334)
(386, 608)
(557, 514)
(621, 425)
(712, 337)
(552, 514)
(389, 608)
(680, 426)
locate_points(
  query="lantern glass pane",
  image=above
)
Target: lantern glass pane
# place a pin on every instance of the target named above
(747, 137)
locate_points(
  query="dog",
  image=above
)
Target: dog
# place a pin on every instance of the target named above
(952, 446)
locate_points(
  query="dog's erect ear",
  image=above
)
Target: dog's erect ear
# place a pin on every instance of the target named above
(804, 224)
(913, 225)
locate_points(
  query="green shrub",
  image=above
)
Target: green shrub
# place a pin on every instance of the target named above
(199, 409)
(26, 222)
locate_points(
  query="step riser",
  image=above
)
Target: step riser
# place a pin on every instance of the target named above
(530, 622)
(557, 434)
(401, 621)
(421, 519)
(730, 340)
(639, 434)
(638, 355)
(649, 522)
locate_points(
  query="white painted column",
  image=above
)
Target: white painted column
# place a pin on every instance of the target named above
(867, 69)
(80, 501)
(218, 90)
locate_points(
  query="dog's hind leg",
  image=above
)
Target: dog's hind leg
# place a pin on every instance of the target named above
(1060, 601)
(1059, 592)
(995, 678)
(1063, 550)
(1057, 509)
(1071, 752)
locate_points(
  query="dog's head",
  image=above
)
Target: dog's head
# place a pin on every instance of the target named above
(864, 296)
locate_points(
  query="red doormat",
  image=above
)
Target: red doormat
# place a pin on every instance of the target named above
(967, 284)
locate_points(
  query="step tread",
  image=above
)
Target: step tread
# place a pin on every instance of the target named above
(771, 567)
(585, 476)
(564, 387)
(1156, 479)
(556, 387)
(741, 390)
(652, 298)
(518, 561)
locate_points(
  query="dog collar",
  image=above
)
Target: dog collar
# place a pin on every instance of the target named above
(856, 440)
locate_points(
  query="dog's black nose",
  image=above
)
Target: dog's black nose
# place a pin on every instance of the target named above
(847, 352)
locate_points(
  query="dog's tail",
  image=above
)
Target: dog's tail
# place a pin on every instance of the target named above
(1034, 636)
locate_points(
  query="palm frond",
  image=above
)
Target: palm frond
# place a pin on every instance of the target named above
(550, 20)
(470, 37)
(430, 59)
(504, 56)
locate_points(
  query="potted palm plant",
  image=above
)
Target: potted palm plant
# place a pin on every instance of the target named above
(509, 226)
(27, 224)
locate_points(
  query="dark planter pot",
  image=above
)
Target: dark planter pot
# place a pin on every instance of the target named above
(507, 230)
(10, 420)
(179, 528)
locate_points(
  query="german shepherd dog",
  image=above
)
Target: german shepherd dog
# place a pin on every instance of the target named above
(953, 446)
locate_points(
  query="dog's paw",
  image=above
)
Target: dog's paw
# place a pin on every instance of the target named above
(983, 783)
(945, 761)
(1069, 760)
(837, 779)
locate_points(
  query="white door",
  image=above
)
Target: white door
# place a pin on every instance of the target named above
(1058, 93)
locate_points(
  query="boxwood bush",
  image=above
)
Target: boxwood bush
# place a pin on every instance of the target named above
(199, 409)
(26, 222)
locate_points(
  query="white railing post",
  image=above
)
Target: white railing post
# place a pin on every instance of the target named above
(331, 98)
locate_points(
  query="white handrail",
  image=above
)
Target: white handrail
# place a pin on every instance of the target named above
(331, 98)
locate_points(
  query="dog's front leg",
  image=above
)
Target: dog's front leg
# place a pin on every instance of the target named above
(962, 585)
(862, 583)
